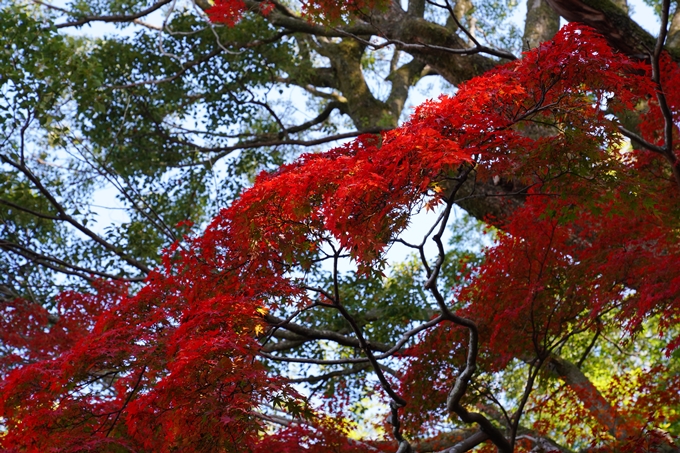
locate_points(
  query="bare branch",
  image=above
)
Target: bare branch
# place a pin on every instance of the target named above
(323, 116)
(115, 18)
(59, 265)
(62, 215)
(453, 401)
(316, 334)
(641, 141)
(324, 377)
(313, 361)
(226, 150)
(478, 49)
(468, 444)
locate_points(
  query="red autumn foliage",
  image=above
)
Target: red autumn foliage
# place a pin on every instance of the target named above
(229, 12)
(178, 366)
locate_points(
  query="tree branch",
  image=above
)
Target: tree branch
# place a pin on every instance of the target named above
(115, 18)
(316, 334)
(62, 215)
(59, 265)
(593, 400)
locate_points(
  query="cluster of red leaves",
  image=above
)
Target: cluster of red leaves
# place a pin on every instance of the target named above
(227, 12)
(151, 372)
(175, 365)
(230, 12)
(597, 232)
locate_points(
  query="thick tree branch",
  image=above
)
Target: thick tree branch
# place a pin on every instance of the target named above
(323, 116)
(320, 334)
(468, 443)
(323, 77)
(542, 22)
(402, 79)
(475, 47)
(593, 400)
(333, 374)
(432, 43)
(610, 20)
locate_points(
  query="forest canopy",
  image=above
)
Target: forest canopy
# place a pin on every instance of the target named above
(246, 303)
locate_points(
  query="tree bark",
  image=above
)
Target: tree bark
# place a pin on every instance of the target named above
(541, 24)
(591, 397)
(613, 22)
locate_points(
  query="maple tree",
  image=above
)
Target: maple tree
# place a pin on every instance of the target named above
(498, 352)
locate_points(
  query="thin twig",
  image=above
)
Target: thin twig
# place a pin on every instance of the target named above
(114, 18)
